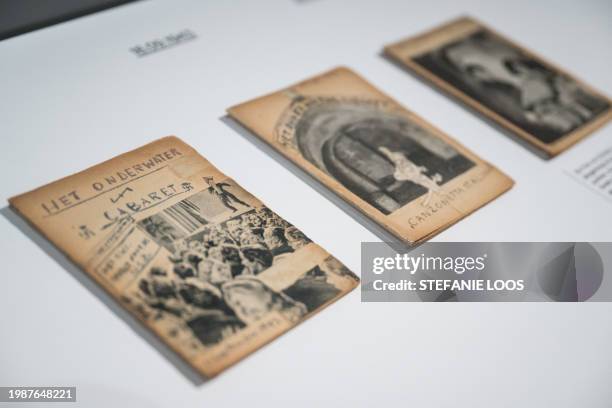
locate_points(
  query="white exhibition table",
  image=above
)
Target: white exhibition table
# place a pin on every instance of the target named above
(74, 95)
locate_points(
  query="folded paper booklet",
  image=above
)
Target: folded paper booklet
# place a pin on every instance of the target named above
(518, 90)
(201, 262)
(389, 163)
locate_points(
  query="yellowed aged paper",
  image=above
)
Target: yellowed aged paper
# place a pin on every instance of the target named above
(204, 264)
(389, 163)
(528, 96)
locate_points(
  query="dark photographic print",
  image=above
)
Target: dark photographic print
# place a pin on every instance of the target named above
(401, 171)
(189, 215)
(384, 158)
(521, 91)
(211, 286)
(210, 289)
(315, 288)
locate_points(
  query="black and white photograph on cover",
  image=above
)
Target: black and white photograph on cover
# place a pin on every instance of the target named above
(381, 156)
(191, 214)
(524, 90)
(210, 288)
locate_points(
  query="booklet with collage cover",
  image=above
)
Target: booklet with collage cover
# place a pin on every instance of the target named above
(205, 265)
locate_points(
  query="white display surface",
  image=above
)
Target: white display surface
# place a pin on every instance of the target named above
(74, 95)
